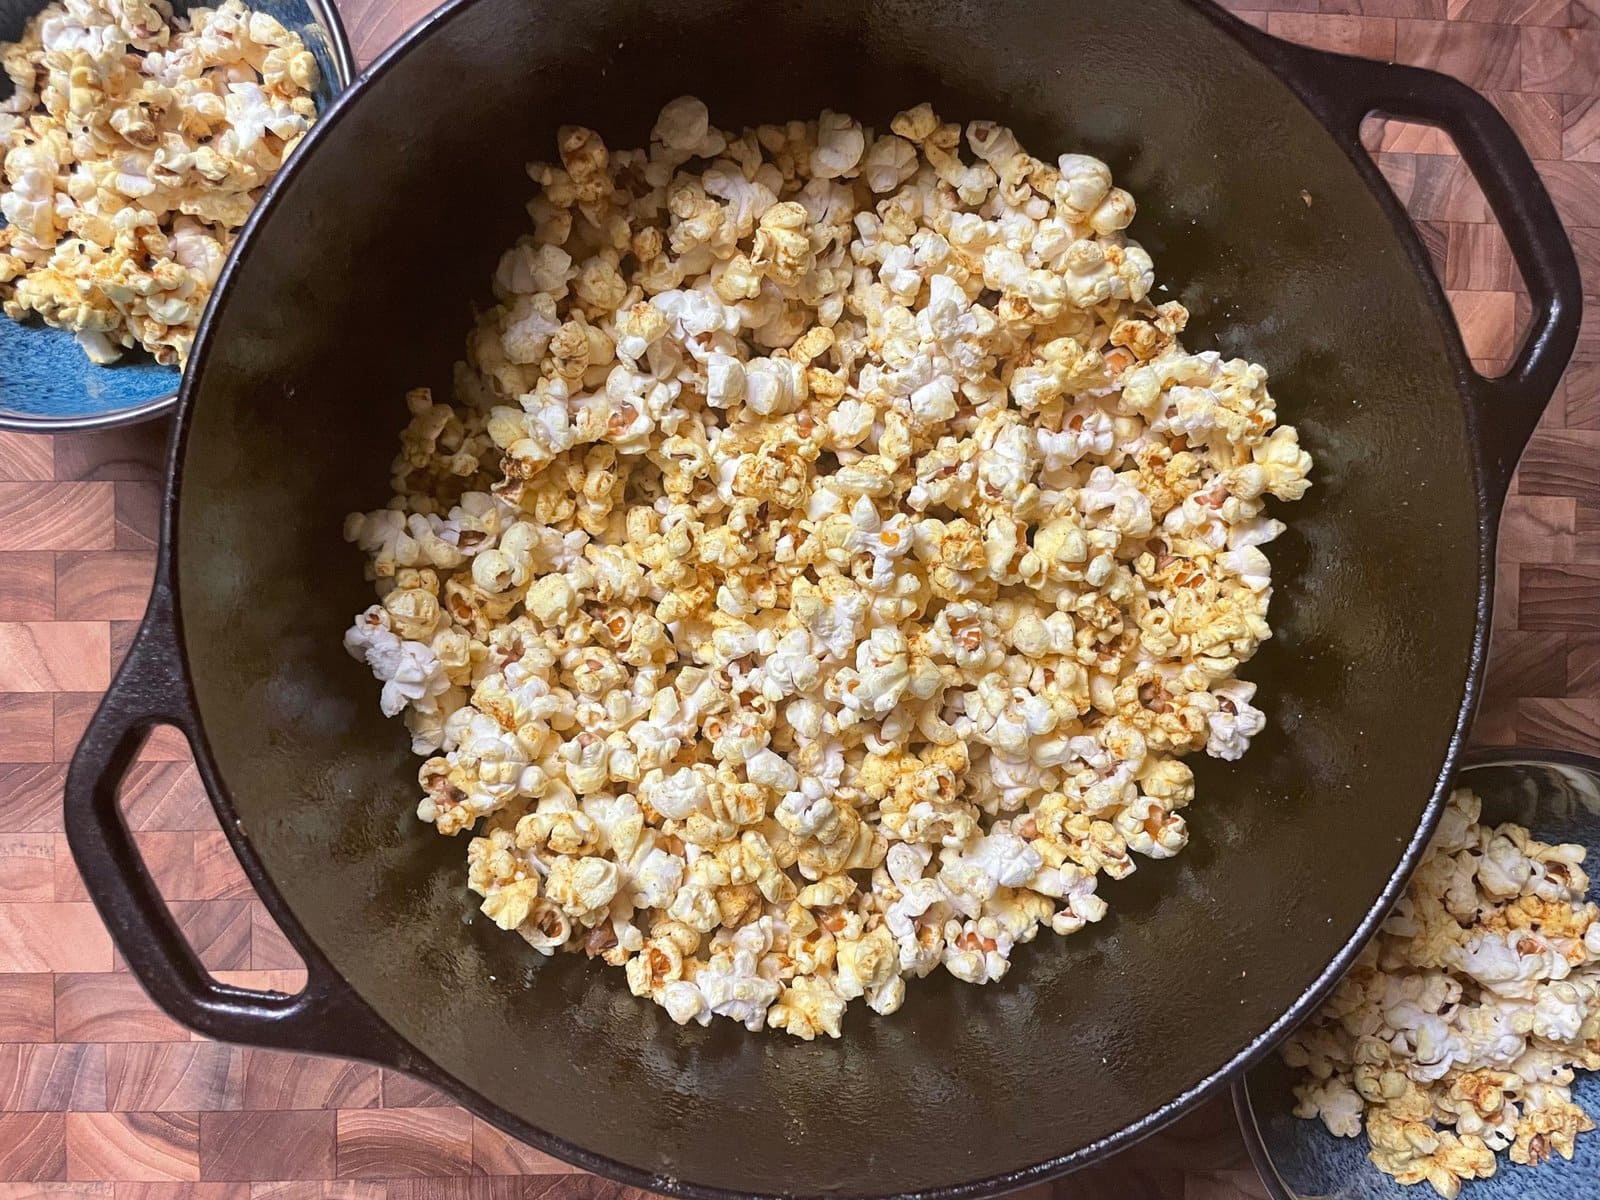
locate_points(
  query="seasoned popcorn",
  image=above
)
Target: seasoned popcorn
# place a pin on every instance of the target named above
(827, 559)
(135, 144)
(1456, 1034)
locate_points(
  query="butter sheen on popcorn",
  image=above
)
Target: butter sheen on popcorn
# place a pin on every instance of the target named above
(826, 558)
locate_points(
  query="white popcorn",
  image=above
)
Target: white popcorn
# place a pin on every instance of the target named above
(1114, 501)
(839, 146)
(417, 678)
(142, 153)
(725, 381)
(827, 561)
(1456, 1034)
(410, 672)
(772, 385)
(1006, 859)
(655, 878)
(1510, 964)
(889, 162)
(551, 600)
(684, 126)
(677, 795)
(1235, 721)
(914, 920)
(771, 770)
(1337, 1103)
(882, 673)
(684, 1003)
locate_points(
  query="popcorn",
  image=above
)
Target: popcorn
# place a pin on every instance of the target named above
(130, 169)
(583, 887)
(1234, 722)
(1456, 1033)
(828, 555)
(840, 143)
(410, 672)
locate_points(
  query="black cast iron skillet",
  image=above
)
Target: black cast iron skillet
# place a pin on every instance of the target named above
(353, 284)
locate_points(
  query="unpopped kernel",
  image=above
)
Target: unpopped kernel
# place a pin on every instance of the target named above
(1457, 1033)
(828, 556)
(135, 144)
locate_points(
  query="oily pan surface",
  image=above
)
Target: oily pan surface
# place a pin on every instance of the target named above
(358, 285)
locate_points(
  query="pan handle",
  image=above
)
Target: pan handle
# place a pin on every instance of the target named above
(1343, 91)
(150, 689)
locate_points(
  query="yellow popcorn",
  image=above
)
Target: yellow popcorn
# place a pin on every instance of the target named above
(827, 555)
(141, 154)
(1456, 1035)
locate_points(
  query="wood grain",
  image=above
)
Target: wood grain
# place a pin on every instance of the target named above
(33, 1146)
(54, 656)
(1580, 128)
(133, 1190)
(399, 1143)
(72, 713)
(267, 1145)
(51, 936)
(165, 795)
(102, 1097)
(109, 1007)
(1536, 119)
(218, 930)
(29, 724)
(52, 1078)
(138, 516)
(320, 1189)
(1488, 56)
(103, 585)
(57, 516)
(497, 1153)
(402, 1091)
(28, 1005)
(27, 868)
(133, 1146)
(30, 796)
(28, 586)
(1575, 187)
(119, 455)
(174, 1076)
(1563, 61)
(1420, 9)
(25, 457)
(1373, 37)
(274, 1080)
(217, 873)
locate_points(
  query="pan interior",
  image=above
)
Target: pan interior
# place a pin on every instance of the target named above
(358, 284)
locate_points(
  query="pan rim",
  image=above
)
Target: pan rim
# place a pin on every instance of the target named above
(1258, 45)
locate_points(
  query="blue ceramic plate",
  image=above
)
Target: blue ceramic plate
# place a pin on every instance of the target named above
(46, 381)
(1557, 796)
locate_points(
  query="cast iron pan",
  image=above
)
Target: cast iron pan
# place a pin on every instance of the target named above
(353, 284)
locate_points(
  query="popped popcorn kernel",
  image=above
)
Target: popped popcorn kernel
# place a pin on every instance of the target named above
(1456, 1035)
(827, 558)
(134, 146)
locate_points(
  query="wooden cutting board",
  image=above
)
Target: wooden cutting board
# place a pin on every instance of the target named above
(102, 1096)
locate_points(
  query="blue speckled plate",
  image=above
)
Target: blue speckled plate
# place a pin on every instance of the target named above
(1557, 796)
(46, 381)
